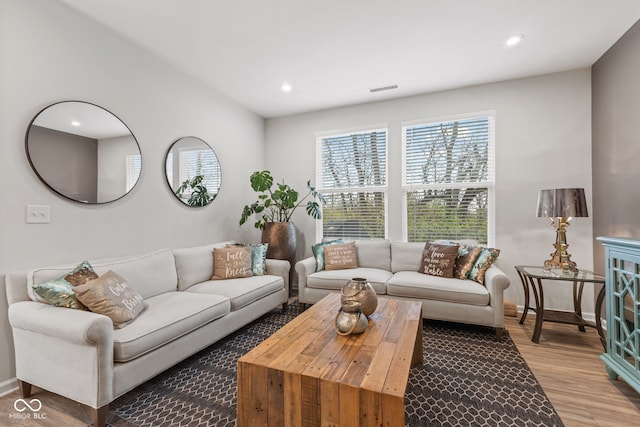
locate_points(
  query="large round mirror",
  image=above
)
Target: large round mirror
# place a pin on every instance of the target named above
(193, 171)
(83, 152)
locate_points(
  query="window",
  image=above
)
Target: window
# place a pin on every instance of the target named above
(448, 179)
(132, 168)
(194, 162)
(352, 175)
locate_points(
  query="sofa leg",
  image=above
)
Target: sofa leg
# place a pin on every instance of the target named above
(25, 388)
(499, 333)
(284, 307)
(99, 416)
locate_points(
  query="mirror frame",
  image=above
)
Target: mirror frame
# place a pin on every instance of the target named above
(42, 178)
(168, 178)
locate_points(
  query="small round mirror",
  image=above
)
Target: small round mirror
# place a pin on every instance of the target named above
(83, 152)
(193, 171)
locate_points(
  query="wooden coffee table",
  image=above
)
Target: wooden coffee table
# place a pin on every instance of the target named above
(307, 374)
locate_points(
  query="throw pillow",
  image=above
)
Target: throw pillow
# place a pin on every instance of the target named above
(318, 252)
(258, 256)
(259, 259)
(487, 257)
(438, 260)
(111, 296)
(466, 257)
(340, 256)
(231, 262)
(59, 291)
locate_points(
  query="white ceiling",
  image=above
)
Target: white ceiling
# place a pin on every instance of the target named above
(333, 51)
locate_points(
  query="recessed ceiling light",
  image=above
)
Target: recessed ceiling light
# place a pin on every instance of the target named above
(75, 123)
(514, 39)
(286, 87)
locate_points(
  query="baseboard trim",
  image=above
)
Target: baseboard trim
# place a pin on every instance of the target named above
(8, 386)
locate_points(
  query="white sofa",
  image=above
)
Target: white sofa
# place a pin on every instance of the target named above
(392, 269)
(79, 355)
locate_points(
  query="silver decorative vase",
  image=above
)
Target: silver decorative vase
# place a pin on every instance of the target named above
(360, 290)
(350, 320)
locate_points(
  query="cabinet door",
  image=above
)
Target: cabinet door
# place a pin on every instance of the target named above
(623, 320)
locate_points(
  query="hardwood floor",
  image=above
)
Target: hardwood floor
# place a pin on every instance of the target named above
(567, 365)
(565, 362)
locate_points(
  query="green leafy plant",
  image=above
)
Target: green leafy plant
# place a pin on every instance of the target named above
(199, 195)
(277, 204)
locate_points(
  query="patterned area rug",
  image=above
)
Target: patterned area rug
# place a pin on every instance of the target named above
(467, 379)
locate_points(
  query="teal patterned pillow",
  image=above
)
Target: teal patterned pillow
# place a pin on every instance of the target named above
(258, 259)
(59, 291)
(486, 258)
(318, 252)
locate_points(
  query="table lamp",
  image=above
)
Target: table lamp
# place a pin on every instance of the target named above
(560, 205)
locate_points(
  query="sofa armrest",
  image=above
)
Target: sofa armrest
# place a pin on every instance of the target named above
(68, 352)
(279, 267)
(76, 326)
(304, 268)
(496, 282)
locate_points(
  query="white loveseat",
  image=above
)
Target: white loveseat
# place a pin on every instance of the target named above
(79, 355)
(392, 269)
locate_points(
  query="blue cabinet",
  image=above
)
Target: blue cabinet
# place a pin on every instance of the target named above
(622, 358)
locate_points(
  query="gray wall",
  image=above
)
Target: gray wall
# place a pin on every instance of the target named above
(67, 162)
(543, 127)
(50, 53)
(616, 142)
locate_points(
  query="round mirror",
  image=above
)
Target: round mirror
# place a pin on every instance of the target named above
(83, 152)
(193, 171)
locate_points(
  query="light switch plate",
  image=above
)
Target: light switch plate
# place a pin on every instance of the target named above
(37, 214)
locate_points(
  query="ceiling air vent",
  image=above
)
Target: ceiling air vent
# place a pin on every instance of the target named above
(380, 89)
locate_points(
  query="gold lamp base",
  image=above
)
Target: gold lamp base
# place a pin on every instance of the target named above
(561, 258)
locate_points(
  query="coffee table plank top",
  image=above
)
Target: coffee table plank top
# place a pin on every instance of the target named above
(329, 379)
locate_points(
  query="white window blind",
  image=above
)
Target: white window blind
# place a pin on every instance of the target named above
(191, 164)
(133, 167)
(200, 162)
(352, 174)
(448, 179)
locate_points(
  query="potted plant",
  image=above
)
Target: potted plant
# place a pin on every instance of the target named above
(275, 205)
(198, 194)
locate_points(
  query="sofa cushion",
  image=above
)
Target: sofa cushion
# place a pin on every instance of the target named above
(258, 256)
(466, 258)
(149, 274)
(242, 291)
(406, 256)
(195, 265)
(59, 291)
(374, 254)
(111, 296)
(480, 266)
(439, 260)
(168, 316)
(340, 256)
(318, 252)
(335, 279)
(231, 262)
(412, 284)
